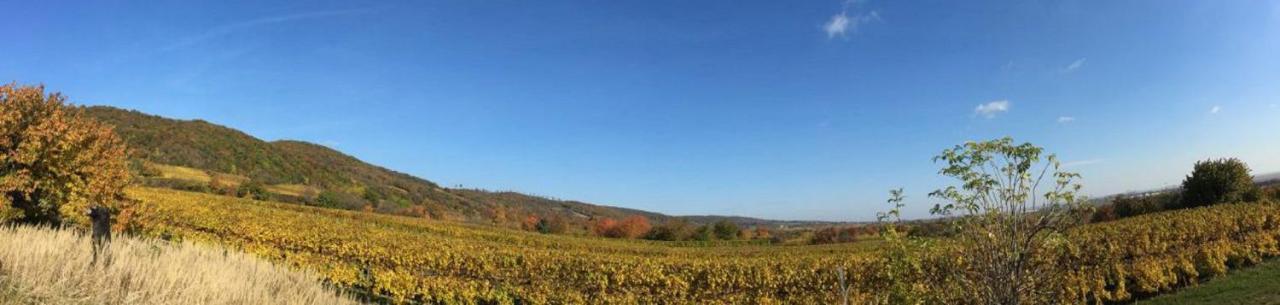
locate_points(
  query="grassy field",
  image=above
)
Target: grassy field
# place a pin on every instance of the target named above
(295, 190)
(46, 266)
(180, 173)
(202, 177)
(1257, 285)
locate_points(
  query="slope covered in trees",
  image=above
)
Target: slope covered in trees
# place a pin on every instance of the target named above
(236, 163)
(336, 179)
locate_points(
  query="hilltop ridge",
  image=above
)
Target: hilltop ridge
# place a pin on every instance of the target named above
(309, 173)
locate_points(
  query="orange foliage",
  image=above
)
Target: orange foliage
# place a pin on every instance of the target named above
(530, 223)
(55, 162)
(631, 227)
(604, 226)
(634, 226)
(418, 211)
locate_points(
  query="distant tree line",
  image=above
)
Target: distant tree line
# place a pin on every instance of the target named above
(1211, 182)
(639, 227)
(846, 234)
(680, 230)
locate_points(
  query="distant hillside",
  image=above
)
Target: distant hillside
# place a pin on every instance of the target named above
(749, 221)
(332, 170)
(1267, 179)
(199, 154)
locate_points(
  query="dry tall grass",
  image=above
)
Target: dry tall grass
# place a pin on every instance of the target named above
(49, 266)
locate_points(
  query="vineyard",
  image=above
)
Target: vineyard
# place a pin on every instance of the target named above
(1156, 253)
(437, 262)
(411, 259)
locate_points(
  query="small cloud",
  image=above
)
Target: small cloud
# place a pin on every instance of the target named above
(843, 23)
(1275, 106)
(990, 110)
(1066, 119)
(231, 28)
(1075, 65)
(1215, 109)
(1082, 163)
(837, 26)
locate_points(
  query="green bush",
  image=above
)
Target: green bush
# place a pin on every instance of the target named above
(340, 200)
(253, 189)
(671, 230)
(1219, 181)
(725, 230)
(553, 225)
(1129, 206)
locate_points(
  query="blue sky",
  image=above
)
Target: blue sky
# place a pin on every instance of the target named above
(776, 109)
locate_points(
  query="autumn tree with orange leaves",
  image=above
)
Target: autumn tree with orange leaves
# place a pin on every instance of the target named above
(631, 227)
(54, 161)
(604, 226)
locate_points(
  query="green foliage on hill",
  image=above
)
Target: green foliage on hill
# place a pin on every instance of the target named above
(342, 180)
(196, 155)
(384, 188)
(199, 144)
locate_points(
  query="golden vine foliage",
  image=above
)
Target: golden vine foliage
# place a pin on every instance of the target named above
(54, 162)
(1156, 253)
(453, 263)
(434, 262)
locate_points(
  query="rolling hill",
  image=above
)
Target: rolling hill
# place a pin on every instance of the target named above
(199, 155)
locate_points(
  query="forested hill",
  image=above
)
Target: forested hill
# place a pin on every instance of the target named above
(198, 155)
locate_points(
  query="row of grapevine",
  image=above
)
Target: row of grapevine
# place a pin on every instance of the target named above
(453, 263)
(1156, 253)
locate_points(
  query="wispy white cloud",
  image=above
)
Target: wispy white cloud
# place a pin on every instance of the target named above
(1215, 109)
(843, 23)
(1075, 65)
(837, 26)
(1066, 119)
(991, 109)
(1080, 163)
(227, 29)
